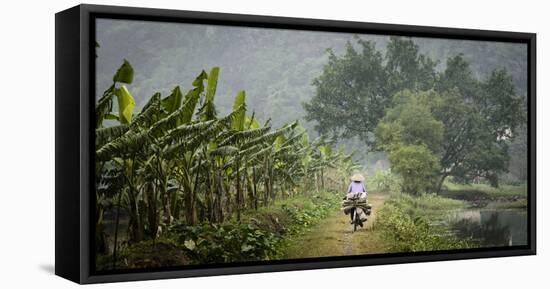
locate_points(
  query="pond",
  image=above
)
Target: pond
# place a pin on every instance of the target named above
(490, 226)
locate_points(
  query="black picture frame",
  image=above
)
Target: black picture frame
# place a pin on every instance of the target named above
(74, 137)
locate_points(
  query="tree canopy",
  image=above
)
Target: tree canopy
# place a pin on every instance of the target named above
(410, 110)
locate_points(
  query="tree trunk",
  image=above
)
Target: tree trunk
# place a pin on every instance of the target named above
(249, 190)
(271, 182)
(227, 190)
(238, 188)
(322, 179)
(166, 198)
(266, 184)
(117, 221)
(219, 198)
(316, 180)
(101, 243)
(209, 196)
(193, 209)
(440, 184)
(254, 189)
(136, 231)
(152, 218)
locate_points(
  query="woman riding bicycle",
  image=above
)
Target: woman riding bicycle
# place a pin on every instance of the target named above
(356, 189)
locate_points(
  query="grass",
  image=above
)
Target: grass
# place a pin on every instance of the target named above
(519, 204)
(292, 214)
(429, 205)
(406, 223)
(471, 191)
(323, 239)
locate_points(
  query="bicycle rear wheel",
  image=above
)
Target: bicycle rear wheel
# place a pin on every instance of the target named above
(355, 220)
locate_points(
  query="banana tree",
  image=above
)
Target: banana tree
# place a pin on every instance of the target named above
(178, 160)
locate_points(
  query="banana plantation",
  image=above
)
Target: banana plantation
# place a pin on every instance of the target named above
(177, 161)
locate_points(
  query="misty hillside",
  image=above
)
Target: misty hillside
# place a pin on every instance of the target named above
(275, 67)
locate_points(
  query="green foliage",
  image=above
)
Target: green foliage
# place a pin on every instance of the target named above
(384, 181)
(400, 98)
(310, 210)
(466, 190)
(410, 121)
(208, 110)
(350, 93)
(125, 73)
(173, 101)
(239, 119)
(480, 118)
(212, 84)
(126, 104)
(425, 204)
(417, 166)
(176, 162)
(412, 137)
(407, 224)
(354, 89)
(407, 68)
(213, 243)
(261, 238)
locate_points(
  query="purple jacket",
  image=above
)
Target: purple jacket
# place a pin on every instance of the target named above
(356, 187)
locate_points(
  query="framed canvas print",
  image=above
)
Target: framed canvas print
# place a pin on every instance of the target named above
(193, 144)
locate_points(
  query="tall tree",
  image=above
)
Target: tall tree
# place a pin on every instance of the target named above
(351, 93)
(412, 139)
(480, 117)
(467, 124)
(355, 88)
(407, 68)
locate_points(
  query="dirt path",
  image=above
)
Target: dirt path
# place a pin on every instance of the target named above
(334, 236)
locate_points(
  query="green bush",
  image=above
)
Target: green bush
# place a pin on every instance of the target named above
(214, 243)
(310, 211)
(384, 181)
(417, 165)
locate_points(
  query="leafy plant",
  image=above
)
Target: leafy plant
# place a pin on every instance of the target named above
(407, 227)
(213, 243)
(178, 161)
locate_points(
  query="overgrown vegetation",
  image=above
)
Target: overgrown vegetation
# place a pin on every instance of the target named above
(486, 189)
(176, 162)
(263, 236)
(384, 181)
(408, 224)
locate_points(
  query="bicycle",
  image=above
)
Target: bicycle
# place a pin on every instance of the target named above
(356, 205)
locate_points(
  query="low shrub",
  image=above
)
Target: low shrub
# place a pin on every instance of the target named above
(384, 181)
(214, 243)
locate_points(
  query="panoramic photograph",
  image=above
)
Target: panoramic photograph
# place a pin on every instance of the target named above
(219, 145)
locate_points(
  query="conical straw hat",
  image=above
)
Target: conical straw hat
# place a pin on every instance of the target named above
(357, 178)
